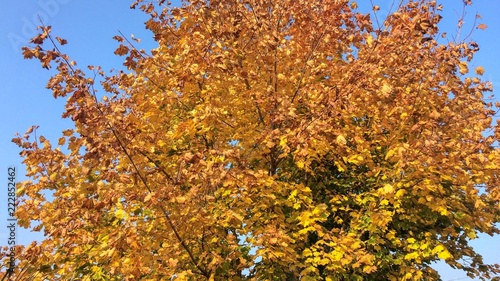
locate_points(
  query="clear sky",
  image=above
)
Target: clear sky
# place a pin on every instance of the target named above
(89, 26)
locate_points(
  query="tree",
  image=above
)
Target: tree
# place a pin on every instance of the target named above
(266, 140)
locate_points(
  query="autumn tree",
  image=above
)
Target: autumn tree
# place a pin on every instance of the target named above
(265, 140)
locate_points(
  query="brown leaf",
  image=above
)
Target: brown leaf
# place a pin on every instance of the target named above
(482, 26)
(61, 41)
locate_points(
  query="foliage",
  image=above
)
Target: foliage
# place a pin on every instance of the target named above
(266, 140)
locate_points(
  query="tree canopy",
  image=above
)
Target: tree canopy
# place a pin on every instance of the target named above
(265, 140)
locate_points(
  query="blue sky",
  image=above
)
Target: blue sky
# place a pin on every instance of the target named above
(89, 26)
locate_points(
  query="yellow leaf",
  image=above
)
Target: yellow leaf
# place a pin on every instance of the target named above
(390, 153)
(386, 89)
(355, 159)
(387, 188)
(369, 40)
(390, 235)
(283, 141)
(479, 70)
(443, 253)
(369, 268)
(463, 69)
(400, 193)
(341, 140)
(121, 214)
(411, 256)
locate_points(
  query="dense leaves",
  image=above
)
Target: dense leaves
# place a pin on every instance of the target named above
(266, 140)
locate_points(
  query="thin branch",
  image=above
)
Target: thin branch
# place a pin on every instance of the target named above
(132, 45)
(375, 14)
(304, 68)
(141, 177)
(149, 189)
